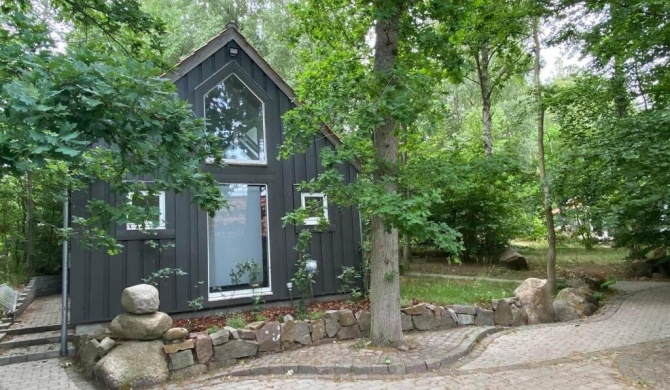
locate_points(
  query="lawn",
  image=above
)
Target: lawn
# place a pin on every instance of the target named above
(607, 263)
(444, 291)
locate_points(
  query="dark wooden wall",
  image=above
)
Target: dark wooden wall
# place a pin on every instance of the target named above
(97, 279)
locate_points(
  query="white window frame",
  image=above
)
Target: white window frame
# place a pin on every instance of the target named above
(149, 225)
(229, 161)
(248, 292)
(313, 221)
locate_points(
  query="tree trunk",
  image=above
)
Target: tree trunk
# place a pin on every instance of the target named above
(386, 327)
(30, 211)
(482, 60)
(551, 238)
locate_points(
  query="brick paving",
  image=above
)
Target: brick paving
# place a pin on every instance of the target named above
(642, 317)
(626, 348)
(43, 311)
(647, 365)
(592, 374)
(52, 374)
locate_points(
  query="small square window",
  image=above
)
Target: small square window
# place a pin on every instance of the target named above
(317, 205)
(157, 200)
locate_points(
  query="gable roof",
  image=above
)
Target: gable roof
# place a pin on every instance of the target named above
(231, 33)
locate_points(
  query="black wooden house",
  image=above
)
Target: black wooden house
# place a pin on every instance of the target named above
(242, 99)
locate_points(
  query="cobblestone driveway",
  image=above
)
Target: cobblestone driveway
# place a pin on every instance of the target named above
(627, 348)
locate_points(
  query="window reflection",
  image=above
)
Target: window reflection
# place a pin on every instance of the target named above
(238, 234)
(235, 115)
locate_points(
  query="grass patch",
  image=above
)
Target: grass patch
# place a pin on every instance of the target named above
(443, 291)
(604, 262)
(608, 263)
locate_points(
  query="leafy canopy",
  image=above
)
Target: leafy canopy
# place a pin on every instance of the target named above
(104, 114)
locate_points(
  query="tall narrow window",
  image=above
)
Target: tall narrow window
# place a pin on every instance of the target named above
(235, 114)
(238, 243)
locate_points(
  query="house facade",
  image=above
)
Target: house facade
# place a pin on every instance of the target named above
(242, 251)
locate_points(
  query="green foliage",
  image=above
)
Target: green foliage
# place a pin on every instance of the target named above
(188, 25)
(614, 166)
(315, 315)
(212, 329)
(236, 321)
(197, 303)
(251, 270)
(349, 281)
(92, 112)
(485, 200)
(635, 37)
(303, 279)
(163, 273)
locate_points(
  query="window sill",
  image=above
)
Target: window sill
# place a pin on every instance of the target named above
(239, 162)
(227, 295)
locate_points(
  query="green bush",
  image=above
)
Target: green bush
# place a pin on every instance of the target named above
(486, 201)
(236, 321)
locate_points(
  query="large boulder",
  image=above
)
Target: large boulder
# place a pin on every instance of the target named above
(536, 300)
(642, 269)
(513, 260)
(133, 364)
(572, 303)
(564, 311)
(140, 299)
(140, 327)
(508, 313)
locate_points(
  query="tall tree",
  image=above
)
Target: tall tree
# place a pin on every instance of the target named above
(493, 33)
(385, 271)
(548, 214)
(372, 97)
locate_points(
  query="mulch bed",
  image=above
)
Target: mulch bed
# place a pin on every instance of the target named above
(201, 324)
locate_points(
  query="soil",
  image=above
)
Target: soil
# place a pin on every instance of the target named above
(314, 310)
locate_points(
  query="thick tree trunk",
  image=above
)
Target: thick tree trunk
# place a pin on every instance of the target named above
(551, 238)
(386, 327)
(482, 60)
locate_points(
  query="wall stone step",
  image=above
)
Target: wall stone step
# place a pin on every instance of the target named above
(31, 339)
(33, 353)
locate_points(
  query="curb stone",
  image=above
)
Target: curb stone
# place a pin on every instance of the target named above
(416, 366)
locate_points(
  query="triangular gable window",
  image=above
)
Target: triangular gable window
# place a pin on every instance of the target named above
(235, 114)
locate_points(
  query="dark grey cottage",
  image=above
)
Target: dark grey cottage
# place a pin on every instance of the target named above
(243, 100)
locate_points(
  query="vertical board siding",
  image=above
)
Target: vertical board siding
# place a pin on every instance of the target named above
(182, 250)
(98, 279)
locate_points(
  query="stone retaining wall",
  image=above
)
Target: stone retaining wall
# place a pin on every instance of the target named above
(26, 297)
(37, 286)
(47, 285)
(200, 352)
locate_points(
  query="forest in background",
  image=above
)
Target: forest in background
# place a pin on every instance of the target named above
(468, 174)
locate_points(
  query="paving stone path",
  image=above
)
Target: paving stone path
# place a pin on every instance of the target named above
(43, 311)
(628, 347)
